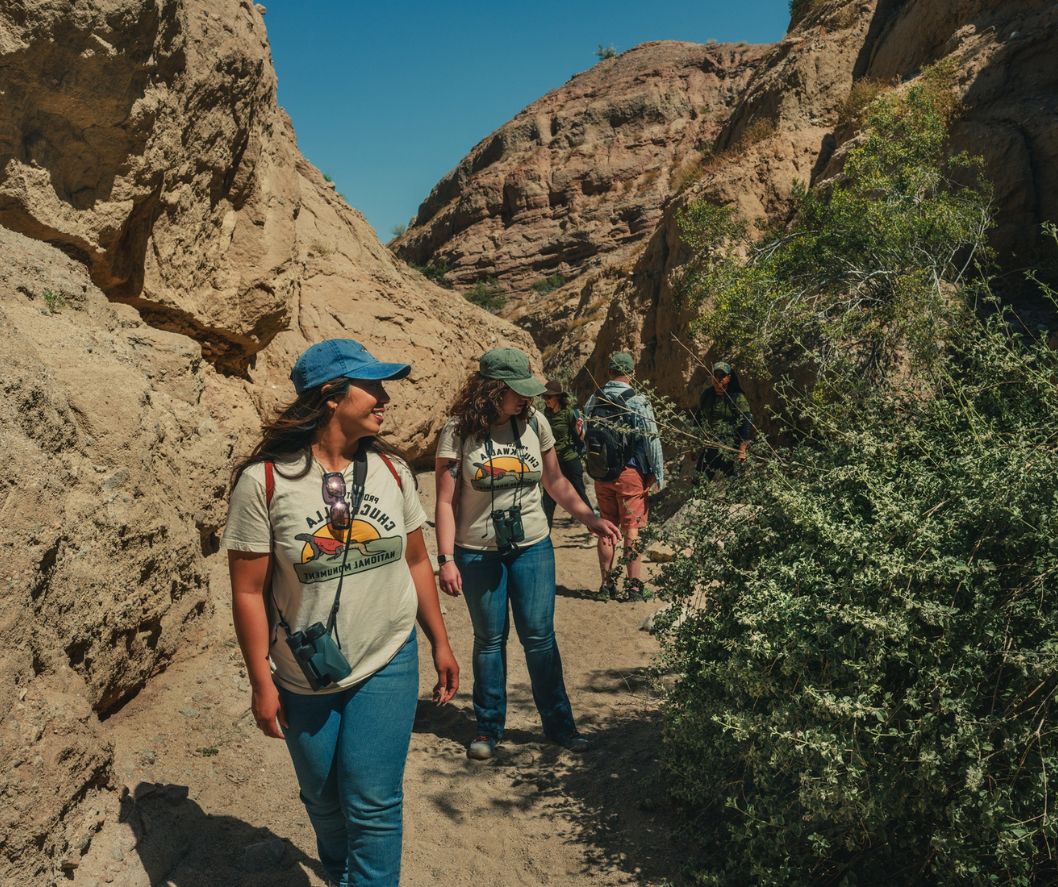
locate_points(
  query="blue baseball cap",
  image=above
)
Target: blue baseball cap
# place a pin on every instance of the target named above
(341, 358)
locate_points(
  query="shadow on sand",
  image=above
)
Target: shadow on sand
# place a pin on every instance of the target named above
(180, 844)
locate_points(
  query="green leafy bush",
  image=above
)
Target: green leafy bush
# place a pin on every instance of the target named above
(864, 275)
(605, 52)
(864, 629)
(868, 695)
(548, 284)
(487, 294)
(435, 270)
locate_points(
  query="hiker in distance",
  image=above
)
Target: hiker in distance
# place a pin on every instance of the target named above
(321, 505)
(567, 426)
(625, 460)
(494, 544)
(724, 415)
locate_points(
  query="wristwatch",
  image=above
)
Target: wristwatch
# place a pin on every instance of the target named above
(443, 559)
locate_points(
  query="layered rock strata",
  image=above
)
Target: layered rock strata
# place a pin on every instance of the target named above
(583, 172)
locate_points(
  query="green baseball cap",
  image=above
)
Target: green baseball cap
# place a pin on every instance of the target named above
(622, 362)
(721, 368)
(511, 366)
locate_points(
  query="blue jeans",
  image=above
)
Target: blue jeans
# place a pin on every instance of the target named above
(349, 750)
(526, 579)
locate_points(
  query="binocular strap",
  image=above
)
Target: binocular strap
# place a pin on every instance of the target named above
(359, 488)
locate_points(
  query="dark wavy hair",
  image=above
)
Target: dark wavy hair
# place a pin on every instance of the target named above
(477, 406)
(291, 433)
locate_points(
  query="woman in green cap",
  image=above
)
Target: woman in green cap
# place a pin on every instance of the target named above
(568, 429)
(493, 541)
(724, 415)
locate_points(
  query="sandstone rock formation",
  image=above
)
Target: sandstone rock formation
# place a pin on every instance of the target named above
(493, 216)
(788, 126)
(144, 139)
(582, 172)
(167, 254)
(112, 493)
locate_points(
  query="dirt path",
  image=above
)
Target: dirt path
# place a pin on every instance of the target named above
(212, 803)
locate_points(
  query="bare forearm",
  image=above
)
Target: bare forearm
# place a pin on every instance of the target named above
(429, 613)
(251, 628)
(445, 521)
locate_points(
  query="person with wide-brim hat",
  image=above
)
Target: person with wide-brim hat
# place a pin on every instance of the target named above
(335, 676)
(495, 458)
(568, 428)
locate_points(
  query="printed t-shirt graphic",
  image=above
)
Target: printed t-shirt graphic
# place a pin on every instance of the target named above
(498, 475)
(324, 549)
(504, 471)
(378, 602)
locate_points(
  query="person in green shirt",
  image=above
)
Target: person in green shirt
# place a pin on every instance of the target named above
(725, 417)
(568, 429)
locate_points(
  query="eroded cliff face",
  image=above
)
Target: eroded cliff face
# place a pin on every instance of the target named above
(144, 139)
(788, 126)
(112, 492)
(167, 255)
(582, 173)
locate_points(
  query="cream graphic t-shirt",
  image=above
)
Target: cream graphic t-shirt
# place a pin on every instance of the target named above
(378, 604)
(511, 475)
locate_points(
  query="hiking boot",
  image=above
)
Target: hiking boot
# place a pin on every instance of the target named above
(607, 591)
(575, 742)
(635, 590)
(482, 748)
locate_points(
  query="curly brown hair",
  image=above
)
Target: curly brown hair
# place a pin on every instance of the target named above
(477, 406)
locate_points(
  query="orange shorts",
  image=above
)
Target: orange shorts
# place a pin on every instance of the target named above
(624, 501)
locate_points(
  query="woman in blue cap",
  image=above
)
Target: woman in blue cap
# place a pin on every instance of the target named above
(320, 504)
(494, 544)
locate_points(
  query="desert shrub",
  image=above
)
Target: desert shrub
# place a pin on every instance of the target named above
(487, 294)
(862, 94)
(864, 629)
(863, 276)
(54, 301)
(868, 695)
(399, 229)
(549, 284)
(605, 52)
(435, 270)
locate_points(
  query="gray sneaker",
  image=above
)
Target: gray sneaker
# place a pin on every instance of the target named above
(482, 748)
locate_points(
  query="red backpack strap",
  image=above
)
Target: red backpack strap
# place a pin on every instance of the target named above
(270, 484)
(392, 470)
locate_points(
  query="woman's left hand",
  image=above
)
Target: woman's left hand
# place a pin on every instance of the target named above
(603, 529)
(447, 674)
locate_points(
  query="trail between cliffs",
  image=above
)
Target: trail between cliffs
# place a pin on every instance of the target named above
(535, 815)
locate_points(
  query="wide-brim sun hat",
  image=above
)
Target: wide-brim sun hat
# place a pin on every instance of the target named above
(553, 388)
(341, 358)
(511, 366)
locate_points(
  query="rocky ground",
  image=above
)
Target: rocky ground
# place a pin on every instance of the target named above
(211, 803)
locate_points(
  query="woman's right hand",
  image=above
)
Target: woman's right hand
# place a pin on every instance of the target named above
(450, 580)
(267, 710)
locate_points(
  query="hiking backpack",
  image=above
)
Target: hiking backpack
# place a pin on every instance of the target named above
(609, 447)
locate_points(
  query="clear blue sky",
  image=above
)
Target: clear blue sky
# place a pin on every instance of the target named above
(386, 97)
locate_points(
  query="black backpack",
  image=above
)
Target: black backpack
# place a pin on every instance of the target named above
(609, 447)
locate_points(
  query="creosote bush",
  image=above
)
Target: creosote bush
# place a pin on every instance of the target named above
(864, 275)
(864, 629)
(549, 284)
(487, 294)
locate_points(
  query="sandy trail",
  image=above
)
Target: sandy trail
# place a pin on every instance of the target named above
(212, 803)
